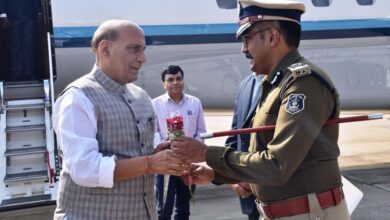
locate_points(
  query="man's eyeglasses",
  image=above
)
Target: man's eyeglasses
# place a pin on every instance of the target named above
(171, 80)
(247, 36)
(136, 49)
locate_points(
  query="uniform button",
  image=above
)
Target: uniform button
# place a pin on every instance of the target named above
(129, 101)
(142, 144)
(137, 121)
(144, 193)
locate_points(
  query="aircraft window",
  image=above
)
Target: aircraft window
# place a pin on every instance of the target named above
(365, 2)
(321, 3)
(227, 4)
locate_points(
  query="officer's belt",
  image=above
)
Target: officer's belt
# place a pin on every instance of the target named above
(299, 205)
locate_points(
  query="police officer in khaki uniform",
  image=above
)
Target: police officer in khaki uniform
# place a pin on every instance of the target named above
(293, 170)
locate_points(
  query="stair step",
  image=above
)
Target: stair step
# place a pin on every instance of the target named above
(25, 128)
(23, 90)
(25, 151)
(36, 175)
(23, 84)
(26, 200)
(26, 106)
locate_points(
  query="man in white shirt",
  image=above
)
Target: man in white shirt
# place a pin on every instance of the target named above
(105, 129)
(190, 107)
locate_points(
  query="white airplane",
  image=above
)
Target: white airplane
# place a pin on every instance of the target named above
(350, 39)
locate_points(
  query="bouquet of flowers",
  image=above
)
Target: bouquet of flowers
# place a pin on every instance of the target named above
(175, 126)
(175, 129)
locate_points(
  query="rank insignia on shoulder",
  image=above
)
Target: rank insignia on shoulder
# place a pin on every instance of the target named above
(299, 69)
(295, 103)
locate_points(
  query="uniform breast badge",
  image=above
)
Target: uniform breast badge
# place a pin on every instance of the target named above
(295, 103)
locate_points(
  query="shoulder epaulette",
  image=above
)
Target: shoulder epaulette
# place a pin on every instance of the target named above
(299, 69)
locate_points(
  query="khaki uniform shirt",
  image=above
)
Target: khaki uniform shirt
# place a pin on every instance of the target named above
(300, 155)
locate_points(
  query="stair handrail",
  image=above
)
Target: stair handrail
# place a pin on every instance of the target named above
(50, 69)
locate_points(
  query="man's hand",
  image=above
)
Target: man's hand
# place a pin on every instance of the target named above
(200, 174)
(4, 23)
(189, 149)
(242, 189)
(165, 162)
(162, 146)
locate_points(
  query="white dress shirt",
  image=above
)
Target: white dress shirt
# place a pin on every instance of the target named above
(75, 124)
(189, 107)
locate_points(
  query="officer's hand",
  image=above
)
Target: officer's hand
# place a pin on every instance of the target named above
(241, 189)
(162, 146)
(200, 174)
(245, 186)
(187, 179)
(189, 149)
(166, 163)
(4, 23)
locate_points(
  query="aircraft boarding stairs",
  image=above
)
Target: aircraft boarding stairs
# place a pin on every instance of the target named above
(29, 163)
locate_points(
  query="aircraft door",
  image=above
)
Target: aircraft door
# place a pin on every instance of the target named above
(24, 54)
(4, 50)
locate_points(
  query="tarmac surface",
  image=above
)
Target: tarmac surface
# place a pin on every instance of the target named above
(364, 160)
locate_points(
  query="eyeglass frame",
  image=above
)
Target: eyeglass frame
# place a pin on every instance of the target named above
(244, 37)
(136, 49)
(172, 80)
